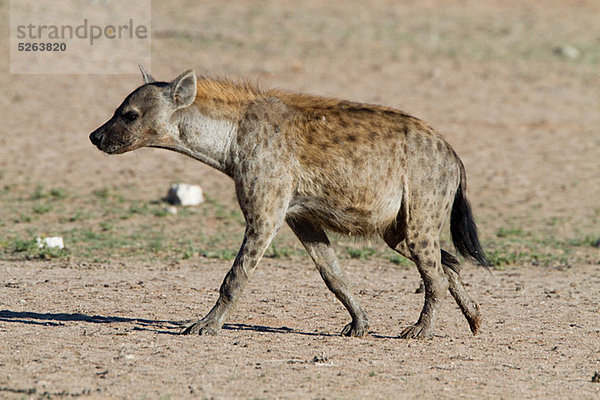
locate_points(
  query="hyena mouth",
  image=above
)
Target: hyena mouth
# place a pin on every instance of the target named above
(109, 145)
(121, 147)
(118, 148)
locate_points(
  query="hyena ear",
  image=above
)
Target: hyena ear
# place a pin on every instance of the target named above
(183, 89)
(147, 77)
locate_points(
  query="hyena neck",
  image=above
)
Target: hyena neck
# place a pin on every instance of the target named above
(205, 138)
(209, 127)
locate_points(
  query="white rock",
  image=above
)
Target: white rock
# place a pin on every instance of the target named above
(568, 51)
(184, 194)
(55, 242)
(171, 210)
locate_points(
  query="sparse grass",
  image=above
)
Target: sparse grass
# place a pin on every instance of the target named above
(38, 193)
(362, 253)
(58, 194)
(585, 241)
(508, 232)
(225, 213)
(103, 193)
(52, 194)
(221, 254)
(42, 208)
(115, 222)
(397, 259)
(517, 246)
(276, 250)
(29, 249)
(24, 218)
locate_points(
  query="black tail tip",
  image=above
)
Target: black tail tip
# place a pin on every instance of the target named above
(464, 231)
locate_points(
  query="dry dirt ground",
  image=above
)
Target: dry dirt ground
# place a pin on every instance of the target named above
(100, 320)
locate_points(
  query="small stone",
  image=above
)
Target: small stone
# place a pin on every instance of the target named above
(183, 194)
(172, 210)
(567, 51)
(55, 242)
(596, 377)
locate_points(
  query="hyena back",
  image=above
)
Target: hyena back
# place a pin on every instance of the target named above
(317, 164)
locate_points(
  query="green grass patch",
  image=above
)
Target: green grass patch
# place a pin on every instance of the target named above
(29, 249)
(361, 253)
(397, 259)
(112, 222)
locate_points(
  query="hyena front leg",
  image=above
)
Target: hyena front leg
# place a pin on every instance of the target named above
(253, 247)
(316, 243)
(263, 220)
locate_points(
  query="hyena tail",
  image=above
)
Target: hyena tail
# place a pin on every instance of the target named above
(462, 225)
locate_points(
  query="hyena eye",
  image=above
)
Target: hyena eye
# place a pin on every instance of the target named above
(130, 116)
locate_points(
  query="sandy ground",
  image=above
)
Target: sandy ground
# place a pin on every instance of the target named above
(111, 331)
(523, 118)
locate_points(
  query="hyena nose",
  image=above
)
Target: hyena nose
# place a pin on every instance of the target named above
(96, 137)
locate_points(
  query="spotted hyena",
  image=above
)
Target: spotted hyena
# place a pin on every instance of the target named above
(317, 164)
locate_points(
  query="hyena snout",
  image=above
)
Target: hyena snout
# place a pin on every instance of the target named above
(97, 137)
(113, 139)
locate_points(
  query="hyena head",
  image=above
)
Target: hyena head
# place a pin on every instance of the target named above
(145, 118)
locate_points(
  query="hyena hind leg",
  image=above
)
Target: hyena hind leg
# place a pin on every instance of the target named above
(451, 267)
(468, 306)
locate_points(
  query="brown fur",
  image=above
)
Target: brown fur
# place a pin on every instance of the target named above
(317, 163)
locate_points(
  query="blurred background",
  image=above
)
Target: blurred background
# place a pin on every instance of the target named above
(513, 85)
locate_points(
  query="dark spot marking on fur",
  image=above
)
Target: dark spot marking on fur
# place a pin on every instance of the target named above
(439, 146)
(424, 244)
(303, 158)
(373, 135)
(337, 140)
(351, 137)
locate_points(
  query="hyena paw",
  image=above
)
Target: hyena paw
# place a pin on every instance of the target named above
(416, 331)
(356, 328)
(202, 327)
